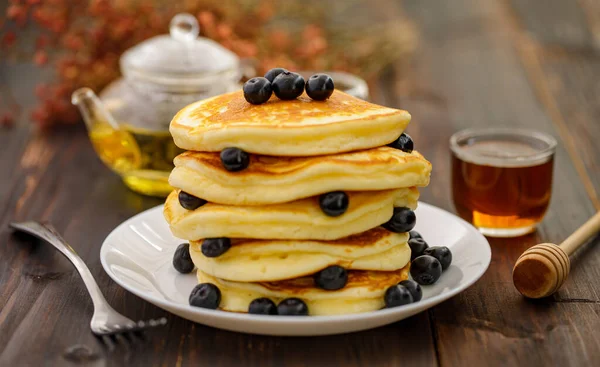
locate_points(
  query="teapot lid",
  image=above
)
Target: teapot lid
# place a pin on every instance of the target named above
(181, 60)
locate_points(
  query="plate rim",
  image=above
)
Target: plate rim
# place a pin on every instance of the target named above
(412, 308)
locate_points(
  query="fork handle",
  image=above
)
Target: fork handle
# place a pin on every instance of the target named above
(49, 234)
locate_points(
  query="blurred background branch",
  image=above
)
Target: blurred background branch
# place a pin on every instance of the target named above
(80, 41)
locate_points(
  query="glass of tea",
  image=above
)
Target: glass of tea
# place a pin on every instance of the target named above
(502, 178)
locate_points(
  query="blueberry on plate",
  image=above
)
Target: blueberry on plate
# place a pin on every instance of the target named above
(334, 203)
(331, 278)
(234, 159)
(397, 295)
(292, 307)
(190, 202)
(414, 288)
(182, 261)
(205, 295)
(273, 73)
(425, 270)
(414, 234)
(257, 90)
(262, 306)
(319, 87)
(442, 253)
(288, 85)
(214, 247)
(403, 220)
(404, 143)
(417, 247)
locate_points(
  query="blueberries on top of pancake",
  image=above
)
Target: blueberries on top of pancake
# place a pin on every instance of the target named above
(331, 278)
(397, 295)
(292, 307)
(288, 85)
(273, 73)
(205, 295)
(403, 220)
(234, 159)
(404, 143)
(319, 87)
(214, 247)
(182, 261)
(257, 90)
(334, 203)
(262, 306)
(417, 247)
(190, 202)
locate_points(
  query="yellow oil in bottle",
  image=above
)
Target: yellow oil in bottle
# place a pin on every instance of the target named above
(143, 158)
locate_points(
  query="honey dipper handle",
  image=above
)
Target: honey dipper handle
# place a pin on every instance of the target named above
(580, 236)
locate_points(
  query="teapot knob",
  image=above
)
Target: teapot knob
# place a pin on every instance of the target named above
(184, 27)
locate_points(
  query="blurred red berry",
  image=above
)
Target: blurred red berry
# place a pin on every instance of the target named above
(9, 38)
(15, 11)
(40, 58)
(7, 119)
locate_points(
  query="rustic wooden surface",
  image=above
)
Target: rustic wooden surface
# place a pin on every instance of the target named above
(480, 62)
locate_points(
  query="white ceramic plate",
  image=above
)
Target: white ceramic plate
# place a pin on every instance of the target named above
(138, 254)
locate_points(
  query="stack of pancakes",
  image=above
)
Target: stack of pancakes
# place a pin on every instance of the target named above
(280, 237)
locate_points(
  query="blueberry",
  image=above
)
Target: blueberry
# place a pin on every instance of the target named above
(403, 220)
(182, 261)
(442, 253)
(257, 90)
(234, 159)
(425, 270)
(404, 143)
(414, 288)
(414, 234)
(397, 295)
(331, 278)
(292, 307)
(190, 202)
(288, 85)
(417, 247)
(272, 74)
(205, 295)
(213, 247)
(334, 203)
(319, 87)
(262, 306)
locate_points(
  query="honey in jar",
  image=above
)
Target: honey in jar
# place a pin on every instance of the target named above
(502, 179)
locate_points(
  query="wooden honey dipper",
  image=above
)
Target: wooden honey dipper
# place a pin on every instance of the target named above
(542, 269)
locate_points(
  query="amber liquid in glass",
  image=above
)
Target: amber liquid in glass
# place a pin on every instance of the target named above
(501, 197)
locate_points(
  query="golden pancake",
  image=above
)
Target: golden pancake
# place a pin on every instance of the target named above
(271, 180)
(300, 127)
(299, 220)
(364, 292)
(270, 260)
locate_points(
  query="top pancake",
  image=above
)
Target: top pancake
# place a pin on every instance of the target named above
(300, 127)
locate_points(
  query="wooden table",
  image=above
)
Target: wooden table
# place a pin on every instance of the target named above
(523, 63)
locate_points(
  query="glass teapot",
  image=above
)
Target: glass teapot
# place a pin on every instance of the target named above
(129, 123)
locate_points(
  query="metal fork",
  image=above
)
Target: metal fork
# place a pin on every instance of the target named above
(105, 321)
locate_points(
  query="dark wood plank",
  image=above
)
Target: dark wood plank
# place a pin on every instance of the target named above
(556, 23)
(468, 73)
